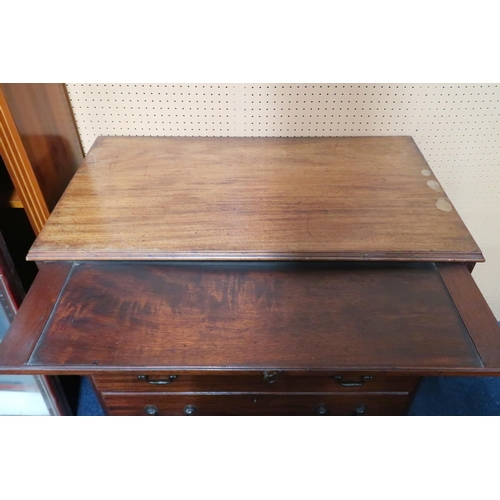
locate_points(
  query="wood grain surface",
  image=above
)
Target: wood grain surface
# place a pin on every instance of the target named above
(259, 316)
(259, 404)
(351, 198)
(28, 324)
(46, 125)
(20, 169)
(216, 381)
(474, 311)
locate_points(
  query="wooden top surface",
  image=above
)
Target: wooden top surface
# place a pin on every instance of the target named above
(352, 198)
(251, 316)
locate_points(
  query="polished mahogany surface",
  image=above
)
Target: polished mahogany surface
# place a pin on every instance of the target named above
(254, 316)
(181, 198)
(212, 381)
(256, 404)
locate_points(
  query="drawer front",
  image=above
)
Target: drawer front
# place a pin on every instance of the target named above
(254, 382)
(256, 404)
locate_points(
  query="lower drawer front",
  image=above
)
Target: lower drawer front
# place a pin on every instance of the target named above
(256, 404)
(255, 382)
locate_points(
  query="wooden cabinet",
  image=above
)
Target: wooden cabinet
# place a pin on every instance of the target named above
(40, 151)
(241, 276)
(39, 144)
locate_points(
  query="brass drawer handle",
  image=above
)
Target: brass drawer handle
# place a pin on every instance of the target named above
(190, 410)
(169, 380)
(361, 410)
(352, 383)
(151, 410)
(321, 410)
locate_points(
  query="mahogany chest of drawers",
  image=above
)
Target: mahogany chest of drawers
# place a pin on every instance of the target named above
(242, 276)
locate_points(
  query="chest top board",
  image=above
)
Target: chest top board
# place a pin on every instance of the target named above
(350, 198)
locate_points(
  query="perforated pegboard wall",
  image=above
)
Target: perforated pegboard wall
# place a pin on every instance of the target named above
(455, 126)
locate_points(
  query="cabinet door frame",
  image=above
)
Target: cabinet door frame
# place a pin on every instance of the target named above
(19, 167)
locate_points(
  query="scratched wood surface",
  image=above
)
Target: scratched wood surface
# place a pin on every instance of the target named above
(186, 198)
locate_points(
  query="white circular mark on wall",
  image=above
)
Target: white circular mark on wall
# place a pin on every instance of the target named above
(426, 172)
(436, 186)
(444, 205)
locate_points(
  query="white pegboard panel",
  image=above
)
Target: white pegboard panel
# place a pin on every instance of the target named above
(456, 126)
(152, 109)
